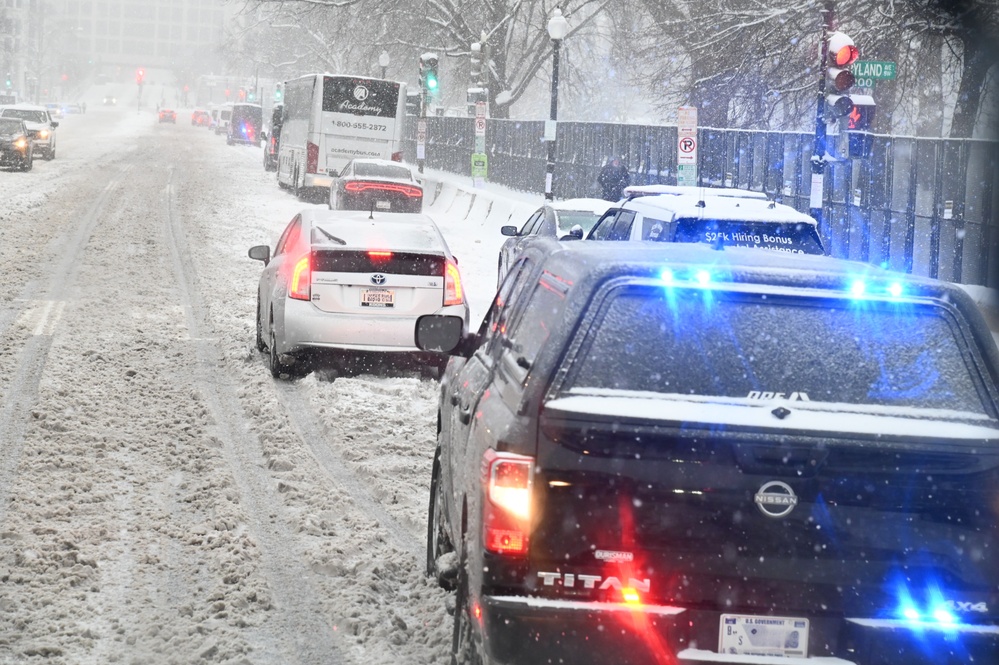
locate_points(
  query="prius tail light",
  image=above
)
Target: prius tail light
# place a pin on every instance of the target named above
(506, 512)
(454, 293)
(311, 157)
(301, 279)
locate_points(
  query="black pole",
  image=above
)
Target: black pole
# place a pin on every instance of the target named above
(819, 149)
(550, 168)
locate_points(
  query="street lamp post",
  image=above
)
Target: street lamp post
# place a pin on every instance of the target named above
(383, 62)
(558, 27)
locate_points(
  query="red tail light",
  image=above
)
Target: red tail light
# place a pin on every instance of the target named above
(454, 294)
(311, 158)
(379, 255)
(397, 156)
(506, 513)
(301, 279)
(360, 186)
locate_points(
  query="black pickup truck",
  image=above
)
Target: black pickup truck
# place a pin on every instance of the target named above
(676, 454)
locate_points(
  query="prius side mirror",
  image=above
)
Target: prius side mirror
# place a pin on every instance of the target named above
(260, 253)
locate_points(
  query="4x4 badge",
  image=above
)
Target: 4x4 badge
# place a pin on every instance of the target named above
(776, 499)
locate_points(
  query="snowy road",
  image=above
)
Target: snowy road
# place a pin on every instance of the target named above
(162, 499)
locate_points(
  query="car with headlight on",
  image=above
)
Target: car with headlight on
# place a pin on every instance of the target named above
(16, 147)
(671, 453)
(570, 218)
(41, 127)
(344, 288)
(110, 100)
(376, 184)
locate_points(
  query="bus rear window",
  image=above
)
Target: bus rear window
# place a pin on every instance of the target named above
(356, 96)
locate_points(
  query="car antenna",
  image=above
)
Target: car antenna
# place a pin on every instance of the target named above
(371, 215)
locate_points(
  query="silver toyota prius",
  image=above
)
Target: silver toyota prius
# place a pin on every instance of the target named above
(347, 285)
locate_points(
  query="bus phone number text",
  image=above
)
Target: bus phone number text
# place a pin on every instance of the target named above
(361, 125)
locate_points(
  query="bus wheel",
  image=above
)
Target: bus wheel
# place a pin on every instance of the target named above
(295, 186)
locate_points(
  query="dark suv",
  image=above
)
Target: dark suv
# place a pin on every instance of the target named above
(674, 454)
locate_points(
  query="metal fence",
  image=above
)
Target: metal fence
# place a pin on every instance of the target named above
(924, 206)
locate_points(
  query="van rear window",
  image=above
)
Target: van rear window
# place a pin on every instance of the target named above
(792, 238)
(713, 343)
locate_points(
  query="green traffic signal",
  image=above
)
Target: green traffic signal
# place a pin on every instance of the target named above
(431, 82)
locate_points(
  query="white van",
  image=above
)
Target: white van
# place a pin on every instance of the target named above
(330, 120)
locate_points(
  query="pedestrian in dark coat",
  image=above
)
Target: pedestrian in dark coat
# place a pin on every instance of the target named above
(613, 179)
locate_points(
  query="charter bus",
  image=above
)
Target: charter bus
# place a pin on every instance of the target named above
(329, 120)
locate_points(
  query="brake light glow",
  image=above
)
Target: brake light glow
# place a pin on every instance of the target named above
(360, 186)
(506, 513)
(378, 254)
(311, 157)
(631, 596)
(301, 279)
(454, 293)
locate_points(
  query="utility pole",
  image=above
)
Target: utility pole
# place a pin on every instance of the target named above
(819, 148)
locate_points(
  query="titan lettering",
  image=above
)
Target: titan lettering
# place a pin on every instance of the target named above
(569, 581)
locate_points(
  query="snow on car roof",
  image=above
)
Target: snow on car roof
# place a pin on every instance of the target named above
(724, 209)
(731, 192)
(409, 232)
(596, 206)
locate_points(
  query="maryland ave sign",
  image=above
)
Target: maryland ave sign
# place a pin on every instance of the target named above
(866, 72)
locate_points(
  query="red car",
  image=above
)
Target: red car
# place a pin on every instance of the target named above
(201, 118)
(168, 115)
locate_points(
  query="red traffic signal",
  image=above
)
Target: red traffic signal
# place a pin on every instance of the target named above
(841, 53)
(140, 74)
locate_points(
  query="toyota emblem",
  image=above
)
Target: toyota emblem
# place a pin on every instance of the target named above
(776, 499)
(378, 279)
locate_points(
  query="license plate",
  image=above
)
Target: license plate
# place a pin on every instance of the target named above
(377, 298)
(763, 636)
(383, 205)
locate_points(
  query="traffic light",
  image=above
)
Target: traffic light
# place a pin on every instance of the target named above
(278, 95)
(140, 75)
(839, 79)
(242, 94)
(428, 74)
(9, 81)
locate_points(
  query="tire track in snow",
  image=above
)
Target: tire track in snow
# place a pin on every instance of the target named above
(22, 390)
(298, 625)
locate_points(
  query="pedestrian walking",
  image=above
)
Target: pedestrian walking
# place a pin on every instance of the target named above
(613, 179)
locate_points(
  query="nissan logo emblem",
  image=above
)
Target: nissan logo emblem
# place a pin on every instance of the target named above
(378, 279)
(776, 499)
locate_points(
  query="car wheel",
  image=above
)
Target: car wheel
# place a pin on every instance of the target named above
(28, 163)
(50, 155)
(438, 542)
(463, 648)
(279, 369)
(261, 344)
